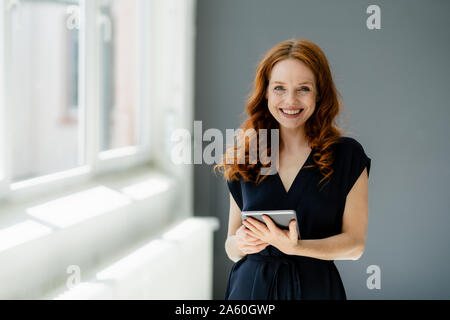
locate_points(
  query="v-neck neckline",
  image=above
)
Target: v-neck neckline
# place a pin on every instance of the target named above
(286, 192)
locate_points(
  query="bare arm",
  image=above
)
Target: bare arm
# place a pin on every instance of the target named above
(234, 222)
(238, 243)
(350, 244)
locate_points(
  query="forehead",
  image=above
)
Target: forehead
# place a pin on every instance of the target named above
(291, 71)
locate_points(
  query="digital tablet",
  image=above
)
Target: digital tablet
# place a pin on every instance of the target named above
(280, 217)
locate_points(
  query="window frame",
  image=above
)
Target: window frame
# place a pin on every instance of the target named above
(94, 161)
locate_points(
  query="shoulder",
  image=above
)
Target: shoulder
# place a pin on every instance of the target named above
(348, 145)
(349, 162)
(349, 151)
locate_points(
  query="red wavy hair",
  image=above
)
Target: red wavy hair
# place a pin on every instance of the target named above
(320, 128)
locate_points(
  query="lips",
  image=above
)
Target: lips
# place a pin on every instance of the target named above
(291, 112)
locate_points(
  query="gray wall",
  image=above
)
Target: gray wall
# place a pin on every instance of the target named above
(395, 87)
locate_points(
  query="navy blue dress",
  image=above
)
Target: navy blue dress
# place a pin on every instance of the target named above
(271, 274)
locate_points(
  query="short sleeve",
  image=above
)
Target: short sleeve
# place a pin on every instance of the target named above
(357, 161)
(235, 189)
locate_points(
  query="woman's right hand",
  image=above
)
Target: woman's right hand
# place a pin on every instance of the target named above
(248, 244)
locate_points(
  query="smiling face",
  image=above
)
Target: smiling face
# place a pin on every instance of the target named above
(291, 93)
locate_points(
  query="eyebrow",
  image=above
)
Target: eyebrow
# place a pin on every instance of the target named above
(280, 82)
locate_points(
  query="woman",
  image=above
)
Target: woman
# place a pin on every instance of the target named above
(322, 175)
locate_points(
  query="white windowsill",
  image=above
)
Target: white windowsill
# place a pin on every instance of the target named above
(85, 225)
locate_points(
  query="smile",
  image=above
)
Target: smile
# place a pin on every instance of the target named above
(291, 113)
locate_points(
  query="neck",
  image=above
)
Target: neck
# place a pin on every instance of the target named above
(293, 140)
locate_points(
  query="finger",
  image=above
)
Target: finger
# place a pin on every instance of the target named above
(251, 238)
(262, 246)
(257, 224)
(253, 234)
(252, 242)
(253, 249)
(270, 224)
(293, 234)
(250, 227)
(256, 242)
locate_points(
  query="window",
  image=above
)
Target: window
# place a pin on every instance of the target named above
(43, 85)
(119, 73)
(75, 88)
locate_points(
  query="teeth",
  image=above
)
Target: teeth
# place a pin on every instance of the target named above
(291, 111)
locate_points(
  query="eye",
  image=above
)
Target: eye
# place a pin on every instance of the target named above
(278, 88)
(304, 89)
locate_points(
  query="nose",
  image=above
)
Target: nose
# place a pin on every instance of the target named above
(291, 98)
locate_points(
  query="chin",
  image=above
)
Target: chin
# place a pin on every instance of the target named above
(290, 125)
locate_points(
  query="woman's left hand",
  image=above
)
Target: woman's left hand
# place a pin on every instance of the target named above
(284, 240)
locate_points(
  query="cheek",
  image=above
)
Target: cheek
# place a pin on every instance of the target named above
(272, 108)
(273, 101)
(308, 101)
